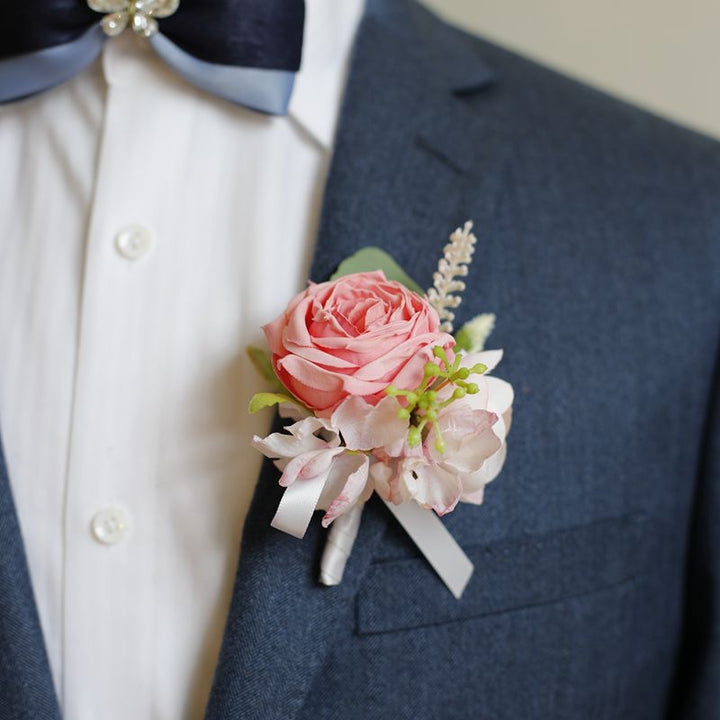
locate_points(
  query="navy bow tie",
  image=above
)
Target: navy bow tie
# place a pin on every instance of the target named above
(246, 51)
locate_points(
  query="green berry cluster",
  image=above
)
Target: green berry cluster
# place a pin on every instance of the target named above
(421, 405)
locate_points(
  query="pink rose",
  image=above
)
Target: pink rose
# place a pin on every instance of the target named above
(353, 336)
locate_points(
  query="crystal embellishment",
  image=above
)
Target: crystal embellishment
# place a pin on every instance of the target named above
(139, 15)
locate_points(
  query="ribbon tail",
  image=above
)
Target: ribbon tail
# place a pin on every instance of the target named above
(31, 73)
(339, 545)
(438, 546)
(261, 89)
(298, 505)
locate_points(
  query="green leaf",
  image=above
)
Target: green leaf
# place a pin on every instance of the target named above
(263, 400)
(373, 258)
(261, 362)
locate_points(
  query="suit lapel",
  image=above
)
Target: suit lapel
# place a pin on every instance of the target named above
(26, 686)
(403, 153)
(402, 159)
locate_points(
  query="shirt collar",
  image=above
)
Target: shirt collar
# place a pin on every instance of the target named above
(330, 28)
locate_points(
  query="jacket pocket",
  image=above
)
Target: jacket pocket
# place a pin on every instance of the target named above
(509, 575)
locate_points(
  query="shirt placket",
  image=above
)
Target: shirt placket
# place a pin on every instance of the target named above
(111, 485)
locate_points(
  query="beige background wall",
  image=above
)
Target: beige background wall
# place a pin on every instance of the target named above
(661, 54)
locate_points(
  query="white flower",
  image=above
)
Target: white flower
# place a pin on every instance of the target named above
(473, 431)
(310, 450)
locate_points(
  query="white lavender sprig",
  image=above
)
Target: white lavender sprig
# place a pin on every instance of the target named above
(457, 255)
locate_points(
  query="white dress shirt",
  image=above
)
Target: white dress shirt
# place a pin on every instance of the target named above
(147, 231)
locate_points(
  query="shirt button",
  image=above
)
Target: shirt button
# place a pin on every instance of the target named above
(110, 525)
(133, 241)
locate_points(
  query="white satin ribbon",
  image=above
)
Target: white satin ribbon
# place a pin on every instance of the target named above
(297, 506)
(437, 545)
(339, 544)
(425, 529)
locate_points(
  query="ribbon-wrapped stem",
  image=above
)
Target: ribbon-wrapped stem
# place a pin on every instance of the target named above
(339, 544)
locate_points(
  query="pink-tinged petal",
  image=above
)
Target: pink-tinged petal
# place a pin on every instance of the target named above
(297, 439)
(343, 465)
(283, 445)
(468, 436)
(309, 465)
(479, 400)
(405, 479)
(308, 426)
(500, 395)
(435, 488)
(381, 474)
(393, 477)
(488, 472)
(490, 358)
(476, 498)
(500, 428)
(354, 488)
(293, 467)
(365, 427)
(397, 448)
(507, 419)
(467, 447)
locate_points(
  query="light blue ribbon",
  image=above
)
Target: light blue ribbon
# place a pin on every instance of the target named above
(265, 90)
(261, 89)
(33, 72)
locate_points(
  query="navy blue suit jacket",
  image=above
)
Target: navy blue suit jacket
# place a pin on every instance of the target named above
(597, 551)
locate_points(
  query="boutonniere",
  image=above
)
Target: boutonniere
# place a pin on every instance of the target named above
(382, 397)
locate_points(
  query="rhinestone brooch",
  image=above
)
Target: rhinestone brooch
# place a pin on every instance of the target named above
(139, 15)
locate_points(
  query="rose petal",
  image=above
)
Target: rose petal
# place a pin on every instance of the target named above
(322, 389)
